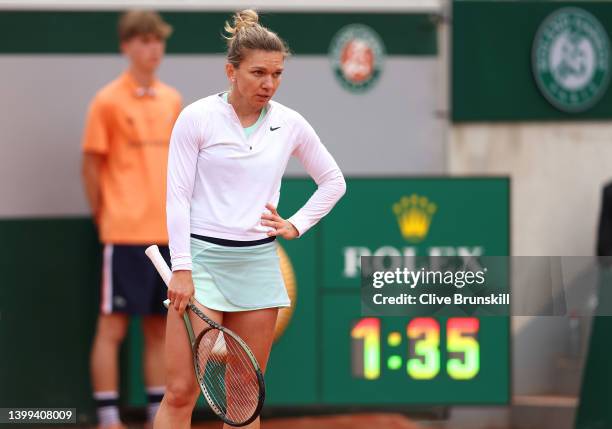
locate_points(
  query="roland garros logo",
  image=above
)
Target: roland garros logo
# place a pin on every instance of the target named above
(571, 59)
(357, 54)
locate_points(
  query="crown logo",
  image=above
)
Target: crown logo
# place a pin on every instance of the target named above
(414, 215)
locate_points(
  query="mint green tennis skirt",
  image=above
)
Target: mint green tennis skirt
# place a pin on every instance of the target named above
(237, 278)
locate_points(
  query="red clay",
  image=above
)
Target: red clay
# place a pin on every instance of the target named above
(355, 421)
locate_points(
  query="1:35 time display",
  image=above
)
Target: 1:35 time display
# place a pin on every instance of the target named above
(423, 358)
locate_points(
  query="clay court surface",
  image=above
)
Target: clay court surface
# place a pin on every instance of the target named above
(359, 421)
(352, 421)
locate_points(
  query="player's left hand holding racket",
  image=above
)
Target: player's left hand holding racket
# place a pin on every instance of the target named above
(226, 369)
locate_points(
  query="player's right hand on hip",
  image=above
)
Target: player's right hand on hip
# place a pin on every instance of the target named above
(181, 290)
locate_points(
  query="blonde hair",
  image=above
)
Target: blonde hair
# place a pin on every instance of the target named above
(246, 33)
(140, 22)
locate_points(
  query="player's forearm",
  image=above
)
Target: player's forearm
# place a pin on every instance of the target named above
(178, 218)
(181, 178)
(331, 188)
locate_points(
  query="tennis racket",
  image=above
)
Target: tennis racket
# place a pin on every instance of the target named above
(226, 369)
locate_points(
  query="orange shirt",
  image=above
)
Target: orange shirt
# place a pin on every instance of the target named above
(131, 126)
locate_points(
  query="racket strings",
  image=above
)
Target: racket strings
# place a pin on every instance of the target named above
(225, 382)
(211, 359)
(228, 376)
(246, 395)
(243, 387)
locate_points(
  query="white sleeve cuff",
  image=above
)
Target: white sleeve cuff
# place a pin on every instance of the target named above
(181, 263)
(302, 225)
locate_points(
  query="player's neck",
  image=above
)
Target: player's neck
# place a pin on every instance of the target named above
(143, 78)
(244, 112)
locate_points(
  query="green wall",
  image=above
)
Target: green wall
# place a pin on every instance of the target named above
(48, 306)
(492, 78)
(200, 32)
(594, 411)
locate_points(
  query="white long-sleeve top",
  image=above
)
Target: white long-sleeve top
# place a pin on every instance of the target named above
(219, 181)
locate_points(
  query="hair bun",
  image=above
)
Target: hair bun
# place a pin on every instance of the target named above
(243, 19)
(246, 34)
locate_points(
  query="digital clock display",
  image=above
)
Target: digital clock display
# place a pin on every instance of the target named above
(419, 355)
(402, 360)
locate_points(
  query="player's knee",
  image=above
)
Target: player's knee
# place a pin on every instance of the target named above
(181, 394)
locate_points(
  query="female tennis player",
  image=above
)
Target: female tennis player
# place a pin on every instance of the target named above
(228, 153)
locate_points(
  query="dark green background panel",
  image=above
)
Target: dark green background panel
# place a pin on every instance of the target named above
(594, 411)
(492, 77)
(48, 305)
(200, 32)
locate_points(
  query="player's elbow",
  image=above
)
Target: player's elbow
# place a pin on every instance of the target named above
(340, 185)
(333, 184)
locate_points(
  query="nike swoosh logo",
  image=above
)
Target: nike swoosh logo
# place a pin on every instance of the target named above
(274, 128)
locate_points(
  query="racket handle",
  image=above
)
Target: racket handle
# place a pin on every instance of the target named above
(160, 264)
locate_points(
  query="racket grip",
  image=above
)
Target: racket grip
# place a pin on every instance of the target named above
(160, 264)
